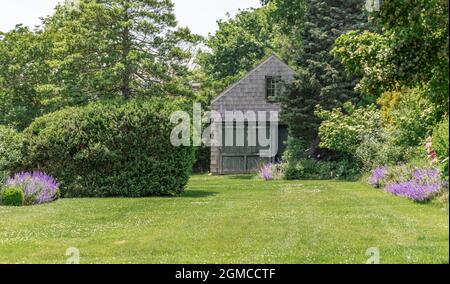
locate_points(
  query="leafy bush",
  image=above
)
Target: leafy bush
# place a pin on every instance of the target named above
(295, 150)
(38, 187)
(413, 119)
(113, 148)
(441, 143)
(343, 130)
(382, 151)
(11, 143)
(12, 196)
(314, 169)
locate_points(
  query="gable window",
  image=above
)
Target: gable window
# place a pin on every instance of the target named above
(273, 87)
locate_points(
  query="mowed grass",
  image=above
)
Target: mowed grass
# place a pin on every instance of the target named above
(233, 219)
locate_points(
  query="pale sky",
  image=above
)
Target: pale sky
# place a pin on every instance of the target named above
(199, 15)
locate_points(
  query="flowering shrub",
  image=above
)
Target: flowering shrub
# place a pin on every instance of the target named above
(266, 172)
(423, 185)
(378, 176)
(417, 184)
(37, 187)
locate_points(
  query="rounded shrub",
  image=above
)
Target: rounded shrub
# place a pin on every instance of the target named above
(12, 196)
(11, 143)
(112, 148)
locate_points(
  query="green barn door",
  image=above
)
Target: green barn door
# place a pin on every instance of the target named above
(245, 159)
(233, 157)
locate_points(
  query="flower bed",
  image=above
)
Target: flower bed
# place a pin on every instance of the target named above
(37, 187)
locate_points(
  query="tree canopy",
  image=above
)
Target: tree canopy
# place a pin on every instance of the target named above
(101, 49)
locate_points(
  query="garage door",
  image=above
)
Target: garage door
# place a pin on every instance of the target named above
(245, 159)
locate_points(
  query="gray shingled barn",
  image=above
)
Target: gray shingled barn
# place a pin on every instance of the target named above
(253, 92)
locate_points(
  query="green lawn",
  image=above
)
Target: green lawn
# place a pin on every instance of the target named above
(235, 219)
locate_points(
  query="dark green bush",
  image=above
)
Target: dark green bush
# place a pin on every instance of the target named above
(115, 148)
(12, 196)
(11, 143)
(314, 169)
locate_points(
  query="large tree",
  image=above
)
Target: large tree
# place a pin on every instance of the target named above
(99, 49)
(24, 91)
(410, 51)
(314, 26)
(119, 47)
(239, 44)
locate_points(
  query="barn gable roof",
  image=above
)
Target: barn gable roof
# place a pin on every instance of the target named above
(271, 57)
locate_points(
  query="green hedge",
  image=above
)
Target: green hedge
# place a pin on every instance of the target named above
(108, 149)
(11, 146)
(322, 170)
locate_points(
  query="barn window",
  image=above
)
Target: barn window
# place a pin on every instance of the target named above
(273, 87)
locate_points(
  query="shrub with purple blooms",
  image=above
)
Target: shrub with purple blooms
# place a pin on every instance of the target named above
(378, 176)
(266, 172)
(38, 187)
(422, 187)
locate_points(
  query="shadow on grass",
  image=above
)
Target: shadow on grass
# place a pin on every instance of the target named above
(242, 177)
(197, 194)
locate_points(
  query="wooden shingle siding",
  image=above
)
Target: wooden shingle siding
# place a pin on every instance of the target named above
(249, 94)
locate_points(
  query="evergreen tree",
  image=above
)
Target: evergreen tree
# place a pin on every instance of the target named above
(119, 47)
(323, 80)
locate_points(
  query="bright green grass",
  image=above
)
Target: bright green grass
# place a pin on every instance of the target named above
(236, 219)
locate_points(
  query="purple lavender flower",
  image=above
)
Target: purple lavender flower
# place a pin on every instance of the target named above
(266, 172)
(38, 187)
(423, 185)
(378, 175)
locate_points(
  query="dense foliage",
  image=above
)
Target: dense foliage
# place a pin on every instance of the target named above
(404, 67)
(322, 77)
(344, 169)
(411, 50)
(24, 79)
(108, 48)
(239, 44)
(11, 146)
(11, 196)
(112, 148)
(440, 144)
(342, 130)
